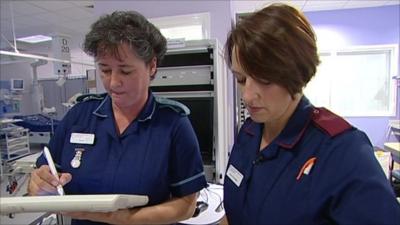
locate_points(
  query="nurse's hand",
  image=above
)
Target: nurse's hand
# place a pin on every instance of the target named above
(43, 182)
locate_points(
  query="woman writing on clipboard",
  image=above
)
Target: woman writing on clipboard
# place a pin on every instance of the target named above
(126, 141)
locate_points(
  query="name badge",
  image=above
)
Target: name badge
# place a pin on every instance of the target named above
(82, 138)
(234, 175)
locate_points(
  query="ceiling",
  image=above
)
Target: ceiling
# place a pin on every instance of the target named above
(313, 5)
(73, 17)
(46, 17)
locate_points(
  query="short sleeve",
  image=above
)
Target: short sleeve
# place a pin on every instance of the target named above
(359, 191)
(186, 166)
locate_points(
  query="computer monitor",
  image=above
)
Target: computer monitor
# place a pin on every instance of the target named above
(202, 118)
(17, 84)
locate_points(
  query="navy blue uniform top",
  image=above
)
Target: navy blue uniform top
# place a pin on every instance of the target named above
(157, 155)
(319, 170)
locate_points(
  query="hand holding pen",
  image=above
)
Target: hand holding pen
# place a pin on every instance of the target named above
(53, 170)
(45, 179)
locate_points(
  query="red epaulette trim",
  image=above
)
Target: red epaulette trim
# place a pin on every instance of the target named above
(329, 122)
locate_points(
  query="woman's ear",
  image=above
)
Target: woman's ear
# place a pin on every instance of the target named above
(153, 66)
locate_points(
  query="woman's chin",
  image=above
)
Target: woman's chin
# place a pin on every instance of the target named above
(119, 102)
(116, 96)
(257, 118)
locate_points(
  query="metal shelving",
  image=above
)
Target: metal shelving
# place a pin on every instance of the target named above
(14, 141)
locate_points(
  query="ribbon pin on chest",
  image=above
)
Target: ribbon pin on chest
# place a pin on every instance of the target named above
(76, 161)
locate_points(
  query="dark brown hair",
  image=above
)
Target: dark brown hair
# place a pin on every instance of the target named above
(275, 44)
(130, 27)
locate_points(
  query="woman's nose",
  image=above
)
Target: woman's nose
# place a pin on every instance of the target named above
(115, 80)
(249, 91)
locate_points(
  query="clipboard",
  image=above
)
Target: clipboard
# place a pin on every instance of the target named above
(71, 203)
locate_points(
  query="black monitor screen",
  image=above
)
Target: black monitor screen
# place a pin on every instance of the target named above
(201, 117)
(17, 84)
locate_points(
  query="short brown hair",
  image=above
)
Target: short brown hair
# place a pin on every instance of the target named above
(131, 27)
(276, 44)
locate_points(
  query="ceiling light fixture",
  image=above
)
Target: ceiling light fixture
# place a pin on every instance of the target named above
(35, 39)
(32, 56)
(16, 53)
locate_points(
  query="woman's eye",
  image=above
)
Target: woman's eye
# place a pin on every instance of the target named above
(106, 71)
(241, 80)
(266, 82)
(126, 72)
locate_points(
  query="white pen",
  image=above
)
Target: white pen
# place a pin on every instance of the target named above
(53, 170)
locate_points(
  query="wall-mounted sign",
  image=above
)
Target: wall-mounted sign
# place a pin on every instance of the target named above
(61, 50)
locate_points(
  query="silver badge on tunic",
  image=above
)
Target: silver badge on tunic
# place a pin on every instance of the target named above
(76, 161)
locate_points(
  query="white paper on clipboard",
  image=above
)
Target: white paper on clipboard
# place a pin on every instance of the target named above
(71, 203)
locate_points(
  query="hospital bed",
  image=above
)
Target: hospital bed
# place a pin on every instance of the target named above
(40, 127)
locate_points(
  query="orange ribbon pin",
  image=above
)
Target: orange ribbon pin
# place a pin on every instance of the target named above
(306, 168)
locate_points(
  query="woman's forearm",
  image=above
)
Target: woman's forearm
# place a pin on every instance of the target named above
(174, 210)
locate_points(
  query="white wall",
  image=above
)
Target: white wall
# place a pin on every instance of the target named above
(20, 71)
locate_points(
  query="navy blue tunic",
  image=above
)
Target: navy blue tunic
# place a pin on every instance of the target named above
(319, 170)
(157, 155)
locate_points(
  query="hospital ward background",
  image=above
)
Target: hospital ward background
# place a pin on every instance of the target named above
(43, 72)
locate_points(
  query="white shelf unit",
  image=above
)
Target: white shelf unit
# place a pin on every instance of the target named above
(393, 129)
(195, 73)
(14, 142)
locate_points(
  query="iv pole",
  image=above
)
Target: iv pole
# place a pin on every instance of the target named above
(37, 90)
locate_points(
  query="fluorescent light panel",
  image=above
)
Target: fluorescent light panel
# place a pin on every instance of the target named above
(35, 39)
(31, 56)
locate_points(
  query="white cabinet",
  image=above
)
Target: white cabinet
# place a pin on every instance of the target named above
(195, 74)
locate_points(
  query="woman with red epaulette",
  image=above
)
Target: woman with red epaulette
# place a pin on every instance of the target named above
(294, 163)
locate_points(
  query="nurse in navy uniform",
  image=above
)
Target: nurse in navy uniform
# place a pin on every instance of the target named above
(294, 163)
(126, 141)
